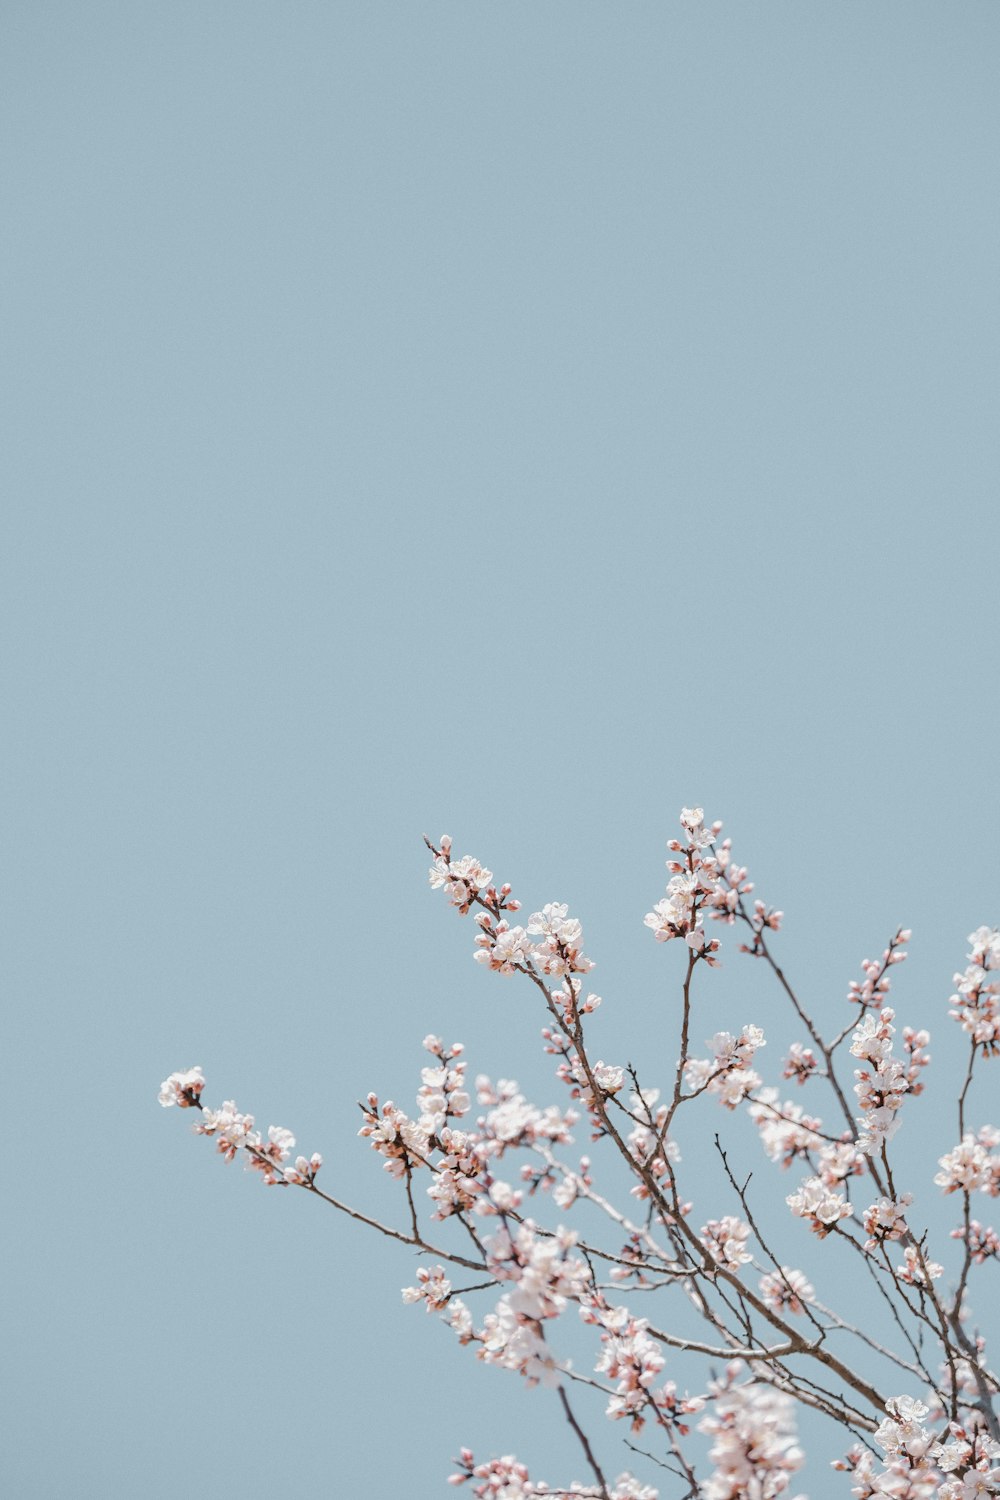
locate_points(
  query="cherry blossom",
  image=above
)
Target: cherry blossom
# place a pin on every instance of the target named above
(503, 948)
(433, 1288)
(725, 1240)
(970, 1166)
(183, 1089)
(231, 1130)
(916, 1269)
(268, 1157)
(304, 1171)
(786, 1291)
(873, 991)
(507, 1479)
(544, 1276)
(647, 1144)
(442, 1095)
(902, 1429)
(696, 882)
(728, 1074)
(786, 1131)
(471, 1161)
(881, 1087)
(461, 879)
(754, 1448)
(608, 1079)
(631, 1358)
(976, 1006)
(800, 1063)
(885, 1220)
(559, 951)
(984, 1244)
(822, 1207)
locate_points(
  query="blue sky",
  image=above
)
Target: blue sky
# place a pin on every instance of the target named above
(520, 420)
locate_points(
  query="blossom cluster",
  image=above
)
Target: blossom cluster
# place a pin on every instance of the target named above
(183, 1089)
(800, 1063)
(463, 880)
(725, 1240)
(918, 1465)
(511, 1121)
(753, 1449)
(787, 1291)
(507, 1479)
(459, 1160)
(820, 1205)
(720, 886)
(880, 1088)
(508, 950)
(696, 882)
(653, 1151)
(234, 1132)
(728, 1074)
(433, 1288)
(786, 1131)
(632, 1358)
(886, 1220)
(873, 991)
(917, 1268)
(976, 1006)
(543, 1276)
(972, 1166)
(473, 1156)
(983, 1243)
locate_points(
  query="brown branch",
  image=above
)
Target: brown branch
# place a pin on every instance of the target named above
(595, 1467)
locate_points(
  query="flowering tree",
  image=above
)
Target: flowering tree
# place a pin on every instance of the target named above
(916, 1401)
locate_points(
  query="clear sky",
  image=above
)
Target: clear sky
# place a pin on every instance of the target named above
(516, 419)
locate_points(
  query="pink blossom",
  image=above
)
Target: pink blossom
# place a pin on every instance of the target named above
(786, 1291)
(462, 879)
(513, 1122)
(507, 1479)
(728, 1074)
(967, 1168)
(455, 1182)
(885, 1220)
(872, 993)
(820, 1205)
(692, 820)
(503, 949)
(183, 1089)
(786, 1131)
(839, 1160)
(800, 1063)
(977, 1002)
(403, 1142)
(754, 1451)
(442, 1095)
(983, 1244)
(270, 1155)
(918, 1269)
(673, 915)
(725, 1240)
(903, 1428)
(304, 1171)
(646, 1143)
(631, 1358)
(560, 949)
(881, 1087)
(232, 1130)
(433, 1288)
